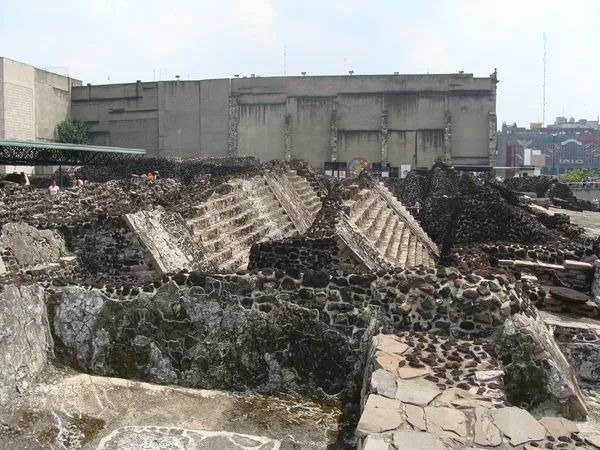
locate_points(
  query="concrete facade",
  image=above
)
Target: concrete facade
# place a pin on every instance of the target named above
(398, 119)
(32, 103)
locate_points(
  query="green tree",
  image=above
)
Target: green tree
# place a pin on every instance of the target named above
(578, 175)
(73, 132)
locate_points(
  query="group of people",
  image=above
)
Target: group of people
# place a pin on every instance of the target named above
(53, 189)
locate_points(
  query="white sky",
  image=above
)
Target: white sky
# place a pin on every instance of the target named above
(128, 40)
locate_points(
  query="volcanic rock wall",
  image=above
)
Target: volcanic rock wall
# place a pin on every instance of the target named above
(25, 341)
(268, 330)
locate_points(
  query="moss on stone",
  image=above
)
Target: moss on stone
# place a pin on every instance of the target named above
(89, 426)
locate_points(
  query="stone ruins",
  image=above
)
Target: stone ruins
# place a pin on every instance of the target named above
(236, 304)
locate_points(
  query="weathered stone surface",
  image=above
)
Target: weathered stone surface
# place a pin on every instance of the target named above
(486, 433)
(414, 440)
(446, 419)
(518, 425)
(558, 426)
(383, 383)
(172, 337)
(528, 382)
(390, 344)
(407, 373)
(31, 247)
(387, 361)
(417, 391)
(25, 341)
(380, 414)
(594, 440)
(568, 295)
(488, 375)
(416, 417)
(374, 442)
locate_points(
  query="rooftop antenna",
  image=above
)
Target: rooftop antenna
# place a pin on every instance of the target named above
(544, 86)
(344, 64)
(284, 60)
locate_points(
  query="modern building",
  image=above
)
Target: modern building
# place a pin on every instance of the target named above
(32, 103)
(555, 149)
(328, 121)
(394, 122)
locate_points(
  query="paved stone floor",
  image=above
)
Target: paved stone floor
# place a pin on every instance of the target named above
(434, 393)
(589, 220)
(76, 411)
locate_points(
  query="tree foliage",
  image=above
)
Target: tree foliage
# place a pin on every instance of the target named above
(578, 175)
(73, 132)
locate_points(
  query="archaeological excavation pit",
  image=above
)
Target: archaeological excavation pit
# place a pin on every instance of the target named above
(237, 304)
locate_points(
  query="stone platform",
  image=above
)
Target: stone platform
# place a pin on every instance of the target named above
(75, 411)
(427, 392)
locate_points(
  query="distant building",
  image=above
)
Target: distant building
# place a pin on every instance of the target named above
(32, 102)
(335, 123)
(555, 149)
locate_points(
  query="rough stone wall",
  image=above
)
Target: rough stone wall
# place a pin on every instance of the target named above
(538, 184)
(384, 137)
(448, 139)
(106, 248)
(303, 254)
(288, 137)
(596, 282)
(233, 125)
(537, 373)
(230, 332)
(410, 189)
(24, 246)
(25, 341)
(334, 133)
(281, 330)
(181, 169)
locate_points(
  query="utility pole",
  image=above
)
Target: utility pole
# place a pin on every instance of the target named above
(544, 86)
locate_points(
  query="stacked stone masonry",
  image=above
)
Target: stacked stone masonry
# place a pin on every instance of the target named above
(426, 392)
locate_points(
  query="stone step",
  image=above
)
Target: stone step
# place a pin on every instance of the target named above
(403, 247)
(358, 202)
(240, 192)
(384, 224)
(392, 252)
(376, 221)
(242, 246)
(383, 242)
(419, 254)
(412, 246)
(252, 211)
(224, 236)
(367, 212)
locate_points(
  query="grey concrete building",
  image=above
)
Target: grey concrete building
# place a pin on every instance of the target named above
(390, 119)
(32, 103)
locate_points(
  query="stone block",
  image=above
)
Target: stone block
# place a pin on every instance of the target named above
(506, 262)
(577, 265)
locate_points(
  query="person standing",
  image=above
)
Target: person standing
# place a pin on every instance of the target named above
(53, 188)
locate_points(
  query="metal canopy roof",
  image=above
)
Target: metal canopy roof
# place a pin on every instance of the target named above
(32, 153)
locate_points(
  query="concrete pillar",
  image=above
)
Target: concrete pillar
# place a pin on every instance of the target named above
(288, 137)
(384, 137)
(233, 125)
(448, 139)
(334, 132)
(492, 133)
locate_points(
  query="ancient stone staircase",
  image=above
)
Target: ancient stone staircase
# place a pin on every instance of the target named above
(390, 228)
(227, 225)
(305, 192)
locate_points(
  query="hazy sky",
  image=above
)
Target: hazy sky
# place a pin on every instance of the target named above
(127, 40)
